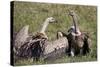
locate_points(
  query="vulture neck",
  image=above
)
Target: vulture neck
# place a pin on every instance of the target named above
(45, 24)
(75, 23)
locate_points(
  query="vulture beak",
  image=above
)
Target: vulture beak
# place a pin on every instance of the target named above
(56, 21)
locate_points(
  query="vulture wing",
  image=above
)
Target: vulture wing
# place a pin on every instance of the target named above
(21, 36)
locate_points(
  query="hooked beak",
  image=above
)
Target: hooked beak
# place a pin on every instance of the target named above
(56, 21)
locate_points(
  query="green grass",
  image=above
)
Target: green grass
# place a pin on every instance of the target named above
(34, 14)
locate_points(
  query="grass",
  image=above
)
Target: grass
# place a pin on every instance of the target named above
(34, 14)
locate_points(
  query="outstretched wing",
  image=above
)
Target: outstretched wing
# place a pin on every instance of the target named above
(21, 36)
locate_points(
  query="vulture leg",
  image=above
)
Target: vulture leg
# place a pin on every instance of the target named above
(72, 52)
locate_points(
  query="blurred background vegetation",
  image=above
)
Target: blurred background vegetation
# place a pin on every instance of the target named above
(34, 14)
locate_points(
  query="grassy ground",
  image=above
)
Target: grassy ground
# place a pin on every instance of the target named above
(34, 14)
